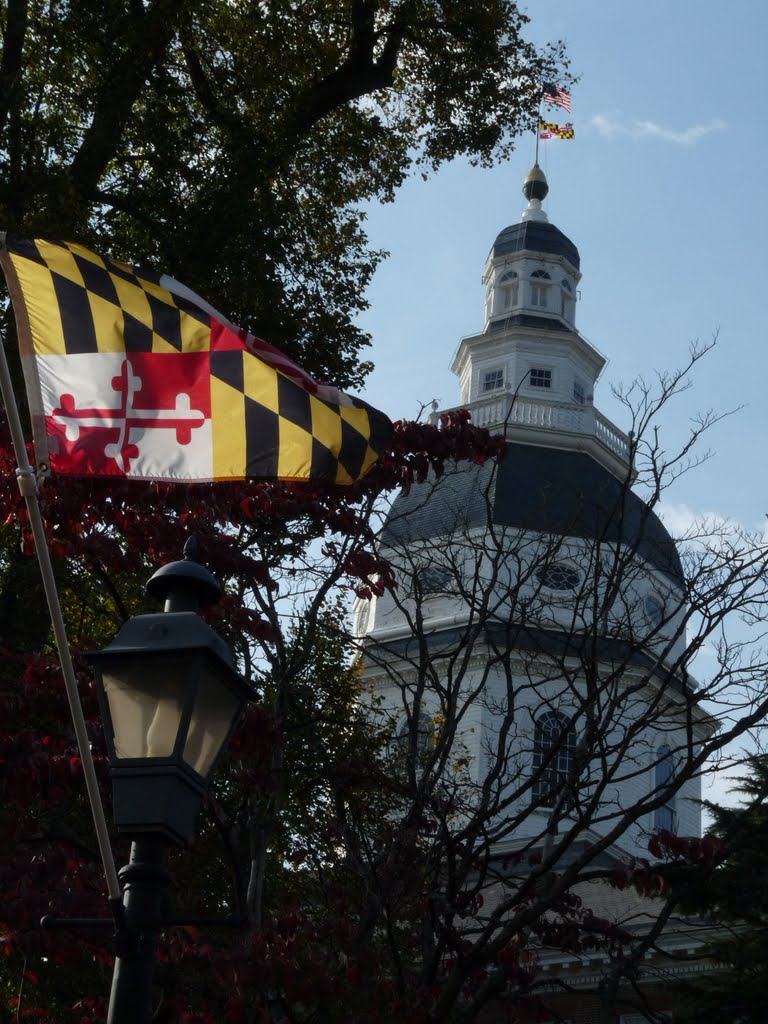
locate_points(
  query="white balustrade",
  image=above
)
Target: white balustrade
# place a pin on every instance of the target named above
(567, 417)
(610, 435)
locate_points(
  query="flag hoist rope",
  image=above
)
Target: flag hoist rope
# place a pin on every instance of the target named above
(27, 480)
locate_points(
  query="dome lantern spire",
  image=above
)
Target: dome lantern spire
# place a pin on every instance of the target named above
(535, 188)
(532, 272)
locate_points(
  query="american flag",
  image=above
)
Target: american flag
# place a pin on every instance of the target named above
(556, 96)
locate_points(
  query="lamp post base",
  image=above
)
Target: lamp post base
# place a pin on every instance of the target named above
(144, 879)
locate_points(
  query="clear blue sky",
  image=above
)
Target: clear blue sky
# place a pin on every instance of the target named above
(663, 191)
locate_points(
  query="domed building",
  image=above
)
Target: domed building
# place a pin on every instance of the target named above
(540, 613)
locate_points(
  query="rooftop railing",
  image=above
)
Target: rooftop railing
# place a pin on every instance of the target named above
(498, 411)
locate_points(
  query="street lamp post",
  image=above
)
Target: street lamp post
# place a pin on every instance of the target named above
(170, 698)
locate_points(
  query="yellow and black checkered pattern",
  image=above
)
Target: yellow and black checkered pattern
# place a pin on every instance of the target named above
(560, 131)
(78, 302)
(70, 301)
(277, 429)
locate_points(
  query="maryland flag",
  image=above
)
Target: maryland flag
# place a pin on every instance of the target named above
(549, 130)
(131, 374)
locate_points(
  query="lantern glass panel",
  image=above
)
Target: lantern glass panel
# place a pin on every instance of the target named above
(215, 711)
(145, 704)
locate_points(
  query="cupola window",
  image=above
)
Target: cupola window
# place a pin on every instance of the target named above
(579, 393)
(664, 816)
(509, 289)
(540, 378)
(493, 380)
(554, 746)
(654, 610)
(539, 288)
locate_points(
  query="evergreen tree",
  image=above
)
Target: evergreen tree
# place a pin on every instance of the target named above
(734, 897)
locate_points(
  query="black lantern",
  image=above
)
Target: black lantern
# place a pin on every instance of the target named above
(170, 699)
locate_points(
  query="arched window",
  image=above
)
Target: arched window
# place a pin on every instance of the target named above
(664, 816)
(425, 735)
(554, 743)
(653, 610)
(539, 289)
(509, 285)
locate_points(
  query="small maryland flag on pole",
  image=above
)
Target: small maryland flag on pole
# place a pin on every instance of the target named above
(548, 130)
(131, 374)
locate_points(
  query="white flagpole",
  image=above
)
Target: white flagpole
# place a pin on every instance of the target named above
(27, 481)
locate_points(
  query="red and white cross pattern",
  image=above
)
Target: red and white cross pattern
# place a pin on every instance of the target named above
(158, 427)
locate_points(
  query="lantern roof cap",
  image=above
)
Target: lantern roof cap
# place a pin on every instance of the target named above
(161, 634)
(185, 585)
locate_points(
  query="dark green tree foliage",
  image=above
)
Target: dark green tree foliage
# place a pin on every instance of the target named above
(734, 897)
(232, 144)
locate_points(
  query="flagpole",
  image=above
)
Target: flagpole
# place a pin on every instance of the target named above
(538, 126)
(27, 482)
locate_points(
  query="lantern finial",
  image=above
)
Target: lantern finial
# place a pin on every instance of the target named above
(186, 586)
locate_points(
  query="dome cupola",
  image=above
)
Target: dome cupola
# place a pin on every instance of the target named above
(533, 268)
(529, 371)
(541, 603)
